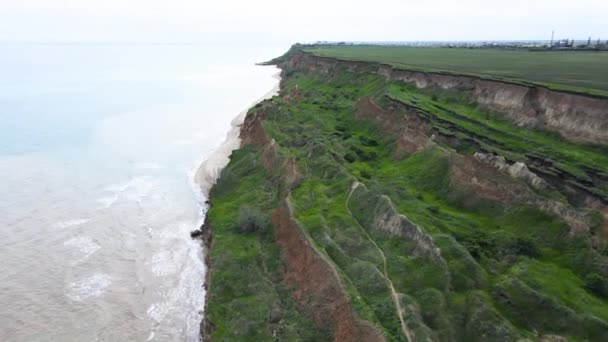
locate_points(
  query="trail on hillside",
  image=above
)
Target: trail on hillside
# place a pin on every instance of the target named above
(406, 331)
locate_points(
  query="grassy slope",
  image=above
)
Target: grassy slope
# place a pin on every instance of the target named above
(481, 244)
(494, 133)
(579, 71)
(247, 301)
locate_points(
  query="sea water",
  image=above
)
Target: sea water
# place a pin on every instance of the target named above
(99, 144)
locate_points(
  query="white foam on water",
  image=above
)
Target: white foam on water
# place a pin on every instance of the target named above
(177, 230)
(107, 202)
(70, 223)
(84, 244)
(163, 264)
(124, 153)
(89, 287)
(134, 190)
(158, 311)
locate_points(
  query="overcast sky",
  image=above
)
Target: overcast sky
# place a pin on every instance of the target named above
(287, 21)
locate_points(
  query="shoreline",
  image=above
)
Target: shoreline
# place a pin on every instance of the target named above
(205, 176)
(209, 170)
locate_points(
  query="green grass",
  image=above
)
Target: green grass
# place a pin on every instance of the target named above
(585, 72)
(562, 284)
(488, 250)
(497, 134)
(247, 300)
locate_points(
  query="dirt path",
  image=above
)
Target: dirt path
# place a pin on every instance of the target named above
(406, 331)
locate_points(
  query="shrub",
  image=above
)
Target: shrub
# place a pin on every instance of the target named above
(365, 174)
(349, 157)
(524, 246)
(597, 284)
(500, 246)
(368, 142)
(251, 220)
(364, 155)
(433, 209)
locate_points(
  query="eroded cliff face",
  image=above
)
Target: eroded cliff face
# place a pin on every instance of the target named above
(576, 117)
(353, 262)
(484, 176)
(412, 134)
(315, 283)
(387, 219)
(312, 280)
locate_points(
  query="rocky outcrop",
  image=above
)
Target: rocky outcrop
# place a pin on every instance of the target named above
(476, 175)
(517, 170)
(575, 116)
(483, 181)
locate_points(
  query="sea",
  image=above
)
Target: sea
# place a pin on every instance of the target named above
(99, 145)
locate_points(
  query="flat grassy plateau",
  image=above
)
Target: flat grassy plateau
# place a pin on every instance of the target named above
(579, 71)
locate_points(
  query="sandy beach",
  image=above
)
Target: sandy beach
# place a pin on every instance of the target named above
(210, 169)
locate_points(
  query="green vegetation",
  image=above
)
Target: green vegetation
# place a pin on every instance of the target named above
(465, 267)
(585, 72)
(251, 220)
(493, 133)
(247, 301)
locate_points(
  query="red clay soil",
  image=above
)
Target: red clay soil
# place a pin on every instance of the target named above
(294, 95)
(315, 285)
(252, 131)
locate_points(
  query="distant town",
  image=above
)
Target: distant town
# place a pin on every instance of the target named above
(589, 44)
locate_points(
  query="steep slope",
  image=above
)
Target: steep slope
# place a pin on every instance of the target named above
(365, 206)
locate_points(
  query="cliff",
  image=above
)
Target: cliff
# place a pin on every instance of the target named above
(368, 203)
(575, 116)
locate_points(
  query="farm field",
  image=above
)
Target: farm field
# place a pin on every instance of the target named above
(579, 71)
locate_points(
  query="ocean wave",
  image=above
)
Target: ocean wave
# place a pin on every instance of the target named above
(134, 190)
(84, 244)
(89, 287)
(163, 264)
(70, 223)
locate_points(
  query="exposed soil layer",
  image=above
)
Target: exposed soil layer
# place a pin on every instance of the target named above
(436, 276)
(316, 286)
(574, 116)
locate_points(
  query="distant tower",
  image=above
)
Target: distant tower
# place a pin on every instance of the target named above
(589, 41)
(552, 34)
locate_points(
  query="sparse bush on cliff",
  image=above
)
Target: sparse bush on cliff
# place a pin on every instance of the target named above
(349, 157)
(597, 284)
(365, 174)
(500, 246)
(251, 220)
